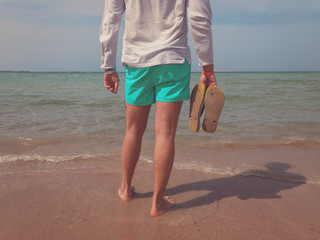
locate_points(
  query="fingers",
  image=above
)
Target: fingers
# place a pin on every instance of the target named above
(208, 80)
(203, 80)
(213, 83)
(116, 84)
(111, 82)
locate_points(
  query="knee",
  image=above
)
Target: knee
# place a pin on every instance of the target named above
(167, 133)
(135, 131)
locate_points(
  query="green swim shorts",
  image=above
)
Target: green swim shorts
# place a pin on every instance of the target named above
(164, 83)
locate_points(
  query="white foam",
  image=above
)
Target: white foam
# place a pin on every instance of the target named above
(146, 159)
(44, 170)
(25, 138)
(207, 168)
(52, 159)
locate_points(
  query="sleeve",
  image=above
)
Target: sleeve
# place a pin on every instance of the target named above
(199, 16)
(109, 31)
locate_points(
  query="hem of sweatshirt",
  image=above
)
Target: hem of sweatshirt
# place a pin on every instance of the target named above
(206, 63)
(155, 63)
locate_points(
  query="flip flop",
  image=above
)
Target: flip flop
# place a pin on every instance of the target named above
(214, 101)
(196, 106)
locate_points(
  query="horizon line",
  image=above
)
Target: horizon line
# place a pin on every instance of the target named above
(218, 71)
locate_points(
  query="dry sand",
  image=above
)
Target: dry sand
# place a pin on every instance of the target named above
(83, 204)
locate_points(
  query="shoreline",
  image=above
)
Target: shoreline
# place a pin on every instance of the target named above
(286, 163)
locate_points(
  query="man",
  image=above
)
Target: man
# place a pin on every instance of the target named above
(157, 59)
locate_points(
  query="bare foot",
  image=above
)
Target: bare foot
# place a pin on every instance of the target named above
(125, 195)
(163, 207)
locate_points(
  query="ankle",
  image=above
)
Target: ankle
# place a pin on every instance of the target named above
(161, 207)
(125, 188)
(157, 201)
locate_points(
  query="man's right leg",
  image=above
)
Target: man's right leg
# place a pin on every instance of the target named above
(166, 121)
(136, 123)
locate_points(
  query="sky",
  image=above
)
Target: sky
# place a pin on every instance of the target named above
(249, 35)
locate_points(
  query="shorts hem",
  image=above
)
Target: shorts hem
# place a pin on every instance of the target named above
(139, 104)
(173, 100)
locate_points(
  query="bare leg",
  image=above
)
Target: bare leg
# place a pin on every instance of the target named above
(166, 121)
(136, 122)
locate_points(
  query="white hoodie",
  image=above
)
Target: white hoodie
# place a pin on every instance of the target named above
(156, 32)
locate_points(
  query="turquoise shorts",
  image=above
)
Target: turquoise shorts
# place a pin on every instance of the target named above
(164, 83)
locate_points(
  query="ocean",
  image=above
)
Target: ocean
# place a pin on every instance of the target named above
(269, 127)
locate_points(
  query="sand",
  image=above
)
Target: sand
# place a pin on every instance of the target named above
(82, 203)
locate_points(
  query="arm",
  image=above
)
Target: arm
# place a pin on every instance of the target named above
(200, 15)
(109, 34)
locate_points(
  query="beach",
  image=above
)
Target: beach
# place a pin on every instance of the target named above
(70, 201)
(257, 177)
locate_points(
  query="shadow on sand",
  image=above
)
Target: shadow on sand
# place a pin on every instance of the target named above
(258, 184)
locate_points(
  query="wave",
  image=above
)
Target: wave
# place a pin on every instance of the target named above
(108, 141)
(289, 141)
(272, 171)
(52, 159)
(252, 142)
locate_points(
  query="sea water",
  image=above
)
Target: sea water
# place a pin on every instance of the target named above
(54, 117)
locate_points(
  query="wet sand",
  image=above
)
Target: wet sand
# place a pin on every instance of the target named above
(83, 204)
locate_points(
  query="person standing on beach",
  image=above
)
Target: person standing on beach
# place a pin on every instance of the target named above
(157, 60)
